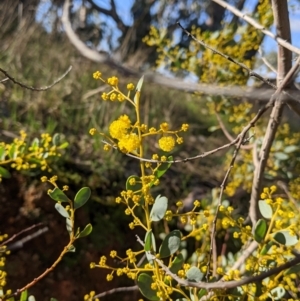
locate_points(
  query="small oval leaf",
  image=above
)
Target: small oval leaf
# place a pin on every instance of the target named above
(277, 293)
(194, 274)
(150, 244)
(293, 270)
(265, 209)
(161, 170)
(260, 230)
(159, 208)
(170, 244)
(285, 238)
(71, 249)
(81, 197)
(4, 173)
(86, 231)
(69, 225)
(177, 263)
(23, 296)
(144, 283)
(266, 248)
(61, 210)
(56, 139)
(57, 195)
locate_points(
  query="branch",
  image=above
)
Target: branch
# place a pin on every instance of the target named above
(33, 88)
(6, 242)
(117, 290)
(112, 13)
(221, 284)
(280, 40)
(284, 78)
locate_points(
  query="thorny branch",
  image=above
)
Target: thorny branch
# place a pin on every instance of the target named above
(8, 76)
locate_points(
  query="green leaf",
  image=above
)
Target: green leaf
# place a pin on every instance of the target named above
(277, 293)
(293, 270)
(260, 230)
(71, 249)
(266, 248)
(285, 238)
(12, 153)
(23, 296)
(137, 186)
(161, 170)
(61, 210)
(35, 143)
(140, 84)
(31, 298)
(2, 153)
(202, 292)
(265, 209)
(53, 299)
(144, 283)
(150, 244)
(64, 145)
(194, 274)
(177, 263)
(170, 244)
(57, 195)
(4, 173)
(159, 208)
(86, 231)
(81, 197)
(56, 139)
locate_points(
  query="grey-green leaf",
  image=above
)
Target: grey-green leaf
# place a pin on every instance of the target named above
(260, 230)
(170, 244)
(285, 238)
(57, 195)
(277, 293)
(82, 197)
(159, 208)
(69, 225)
(56, 139)
(144, 283)
(265, 209)
(194, 274)
(61, 210)
(86, 231)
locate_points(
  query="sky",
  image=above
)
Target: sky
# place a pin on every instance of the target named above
(124, 6)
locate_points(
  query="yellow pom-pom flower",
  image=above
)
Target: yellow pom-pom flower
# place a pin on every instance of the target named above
(166, 143)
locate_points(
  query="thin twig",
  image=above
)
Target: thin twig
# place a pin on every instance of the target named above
(266, 62)
(227, 134)
(117, 290)
(20, 243)
(6, 242)
(258, 26)
(284, 187)
(41, 276)
(293, 99)
(33, 88)
(224, 284)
